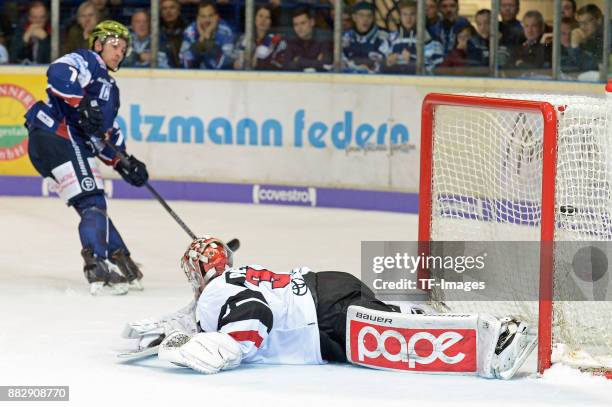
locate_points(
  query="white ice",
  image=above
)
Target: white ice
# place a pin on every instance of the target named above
(54, 333)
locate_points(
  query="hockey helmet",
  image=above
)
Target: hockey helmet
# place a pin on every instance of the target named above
(110, 29)
(205, 259)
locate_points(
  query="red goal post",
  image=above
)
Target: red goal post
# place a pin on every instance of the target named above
(549, 116)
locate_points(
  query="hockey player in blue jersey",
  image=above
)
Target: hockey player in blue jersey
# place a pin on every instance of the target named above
(251, 314)
(66, 134)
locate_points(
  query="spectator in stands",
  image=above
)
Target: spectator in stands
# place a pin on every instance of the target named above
(171, 27)
(480, 40)
(535, 52)
(445, 30)
(6, 25)
(511, 29)
(107, 10)
(464, 54)
(208, 42)
(364, 48)
(268, 48)
(308, 50)
(31, 43)
(8, 15)
(569, 63)
(347, 20)
(78, 33)
(140, 43)
(432, 15)
(587, 40)
(402, 44)
(568, 9)
(4, 55)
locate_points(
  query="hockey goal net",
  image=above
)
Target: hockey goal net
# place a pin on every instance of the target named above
(524, 168)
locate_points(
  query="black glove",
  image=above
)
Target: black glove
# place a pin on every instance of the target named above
(133, 171)
(90, 115)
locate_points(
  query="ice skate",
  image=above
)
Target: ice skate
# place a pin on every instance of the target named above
(128, 268)
(102, 280)
(514, 345)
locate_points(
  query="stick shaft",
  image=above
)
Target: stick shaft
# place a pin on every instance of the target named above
(168, 209)
(123, 158)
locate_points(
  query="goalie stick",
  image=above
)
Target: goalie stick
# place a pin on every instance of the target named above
(233, 244)
(139, 354)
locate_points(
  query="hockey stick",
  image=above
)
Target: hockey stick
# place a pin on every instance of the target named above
(233, 244)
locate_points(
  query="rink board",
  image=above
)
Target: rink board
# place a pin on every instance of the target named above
(325, 140)
(403, 202)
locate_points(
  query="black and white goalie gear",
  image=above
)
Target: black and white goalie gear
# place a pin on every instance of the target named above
(437, 343)
(148, 333)
(205, 352)
(516, 341)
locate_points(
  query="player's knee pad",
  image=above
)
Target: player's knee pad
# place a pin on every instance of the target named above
(435, 343)
(93, 228)
(91, 205)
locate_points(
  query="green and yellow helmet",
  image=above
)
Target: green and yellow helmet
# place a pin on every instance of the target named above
(109, 28)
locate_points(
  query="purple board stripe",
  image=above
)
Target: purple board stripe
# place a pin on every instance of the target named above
(187, 191)
(368, 200)
(20, 186)
(238, 193)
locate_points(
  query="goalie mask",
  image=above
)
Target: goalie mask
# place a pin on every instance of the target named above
(205, 259)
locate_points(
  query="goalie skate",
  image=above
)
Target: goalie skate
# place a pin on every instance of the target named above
(515, 343)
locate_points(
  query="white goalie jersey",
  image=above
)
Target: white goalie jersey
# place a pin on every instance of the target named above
(271, 315)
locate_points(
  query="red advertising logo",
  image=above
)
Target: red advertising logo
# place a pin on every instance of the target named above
(424, 350)
(14, 102)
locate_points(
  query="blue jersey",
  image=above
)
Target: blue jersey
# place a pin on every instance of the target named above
(364, 53)
(446, 33)
(69, 78)
(216, 53)
(403, 39)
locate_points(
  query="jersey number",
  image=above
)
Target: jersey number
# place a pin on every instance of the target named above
(73, 74)
(256, 276)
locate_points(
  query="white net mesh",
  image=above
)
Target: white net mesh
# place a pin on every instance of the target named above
(486, 186)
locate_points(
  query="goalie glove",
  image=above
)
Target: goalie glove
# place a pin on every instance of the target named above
(150, 331)
(206, 352)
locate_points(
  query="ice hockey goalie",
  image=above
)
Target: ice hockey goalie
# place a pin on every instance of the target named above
(251, 314)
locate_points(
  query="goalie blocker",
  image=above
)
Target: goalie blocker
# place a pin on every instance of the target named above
(472, 344)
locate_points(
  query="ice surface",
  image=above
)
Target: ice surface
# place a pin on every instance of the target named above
(54, 333)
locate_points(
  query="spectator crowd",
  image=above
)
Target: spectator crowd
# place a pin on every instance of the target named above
(379, 36)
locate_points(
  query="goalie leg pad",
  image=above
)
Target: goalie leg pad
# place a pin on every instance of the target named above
(438, 343)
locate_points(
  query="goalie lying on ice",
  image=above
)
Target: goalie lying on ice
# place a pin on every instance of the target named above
(252, 315)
